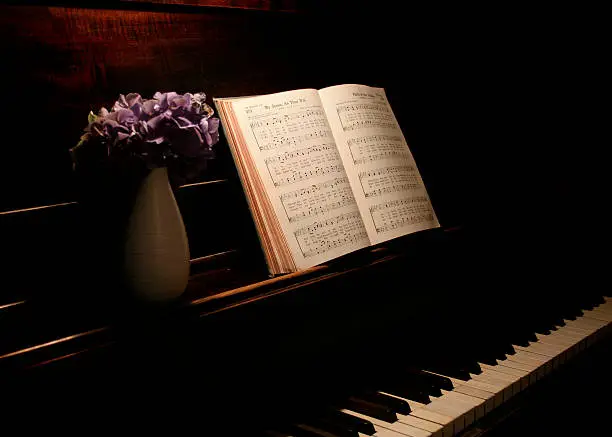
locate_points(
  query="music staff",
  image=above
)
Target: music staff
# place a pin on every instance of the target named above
(396, 203)
(283, 118)
(291, 167)
(273, 142)
(286, 156)
(394, 214)
(356, 107)
(322, 236)
(397, 169)
(365, 115)
(274, 130)
(301, 175)
(379, 181)
(372, 148)
(317, 199)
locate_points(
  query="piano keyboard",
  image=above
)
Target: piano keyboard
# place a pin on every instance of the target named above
(432, 403)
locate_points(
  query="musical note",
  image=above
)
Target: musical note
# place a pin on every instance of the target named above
(324, 235)
(275, 130)
(379, 181)
(317, 199)
(371, 148)
(300, 153)
(365, 115)
(402, 212)
(354, 107)
(302, 164)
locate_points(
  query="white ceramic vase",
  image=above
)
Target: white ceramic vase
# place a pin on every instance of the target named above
(156, 257)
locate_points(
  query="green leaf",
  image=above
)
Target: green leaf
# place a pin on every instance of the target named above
(91, 117)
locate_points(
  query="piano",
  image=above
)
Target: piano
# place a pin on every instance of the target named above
(496, 324)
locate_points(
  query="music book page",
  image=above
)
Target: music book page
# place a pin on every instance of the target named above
(383, 175)
(293, 149)
(325, 172)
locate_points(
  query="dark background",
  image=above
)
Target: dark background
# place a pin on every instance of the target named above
(501, 106)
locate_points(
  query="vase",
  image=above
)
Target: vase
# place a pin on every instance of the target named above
(156, 250)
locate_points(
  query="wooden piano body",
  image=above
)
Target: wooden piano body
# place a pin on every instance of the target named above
(240, 348)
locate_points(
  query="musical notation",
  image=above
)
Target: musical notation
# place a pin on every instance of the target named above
(299, 165)
(275, 130)
(325, 235)
(402, 212)
(400, 202)
(355, 116)
(371, 148)
(317, 199)
(391, 179)
(287, 156)
(281, 140)
(277, 119)
(356, 107)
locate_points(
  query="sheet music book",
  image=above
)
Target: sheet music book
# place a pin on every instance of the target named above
(326, 172)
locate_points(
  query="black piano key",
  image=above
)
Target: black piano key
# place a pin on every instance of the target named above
(394, 404)
(454, 372)
(370, 409)
(407, 392)
(437, 380)
(346, 420)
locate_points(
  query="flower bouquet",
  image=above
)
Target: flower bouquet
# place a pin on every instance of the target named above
(170, 130)
(128, 161)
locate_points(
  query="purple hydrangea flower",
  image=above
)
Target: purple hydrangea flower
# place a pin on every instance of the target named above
(170, 129)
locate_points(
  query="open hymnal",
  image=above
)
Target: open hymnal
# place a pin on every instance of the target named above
(326, 172)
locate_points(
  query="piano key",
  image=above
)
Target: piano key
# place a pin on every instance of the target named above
(346, 421)
(445, 421)
(459, 413)
(487, 397)
(515, 381)
(368, 408)
(538, 364)
(406, 391)
(436, 380)
(598, 315)
(394, 404)
(398, 427)
(334, 427)
(413, 404)
(520, 373)
(477, 404)
(435, 429)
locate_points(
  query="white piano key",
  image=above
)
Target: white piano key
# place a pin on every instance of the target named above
(487, 397)
(463, 404)
(499, 394)
(382, 433)
(505, 387)
(475, 402)
(537, 366)
(570, 344)
(587, 322)
(598, 315)
(515, 381)
(447, 422)
(454, 412)
(414, 405)
(435, 429)
(398, 427)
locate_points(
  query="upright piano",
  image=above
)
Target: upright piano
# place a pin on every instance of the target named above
(497, 323)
